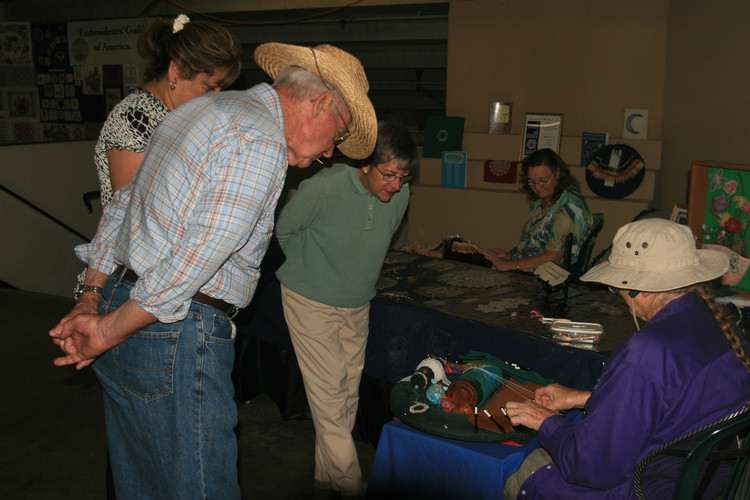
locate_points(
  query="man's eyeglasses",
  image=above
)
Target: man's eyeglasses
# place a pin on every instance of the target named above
(540, 182)
(392, 177)
(345, 134)
(339, 137)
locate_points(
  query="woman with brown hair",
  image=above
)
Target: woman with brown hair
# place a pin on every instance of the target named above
(557, 209)
(187, 59)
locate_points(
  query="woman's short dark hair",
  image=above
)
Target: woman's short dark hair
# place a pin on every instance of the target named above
(199, 47)
(394, 141)
(548, 158)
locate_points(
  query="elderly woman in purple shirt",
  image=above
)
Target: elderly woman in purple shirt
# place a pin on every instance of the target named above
(685, 368)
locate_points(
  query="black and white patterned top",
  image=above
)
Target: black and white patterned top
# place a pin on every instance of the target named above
(128, 127)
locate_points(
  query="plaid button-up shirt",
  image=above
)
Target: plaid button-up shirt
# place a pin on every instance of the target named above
(199, 213)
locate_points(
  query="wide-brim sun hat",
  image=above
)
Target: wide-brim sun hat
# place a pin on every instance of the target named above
(341, 70)
(657, 255)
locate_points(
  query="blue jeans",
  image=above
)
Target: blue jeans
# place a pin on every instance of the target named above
(169, 408)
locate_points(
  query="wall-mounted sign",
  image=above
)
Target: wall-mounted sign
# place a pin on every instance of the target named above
(98, 42)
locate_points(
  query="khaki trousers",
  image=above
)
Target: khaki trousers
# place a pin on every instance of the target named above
(329, 343)
(532, 463)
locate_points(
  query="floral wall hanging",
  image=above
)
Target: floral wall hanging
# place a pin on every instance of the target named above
(728, 210)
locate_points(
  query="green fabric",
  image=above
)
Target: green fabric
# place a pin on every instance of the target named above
(520, 375)
(441, 423)
(485, 380)
(546, 228)
(335, 235)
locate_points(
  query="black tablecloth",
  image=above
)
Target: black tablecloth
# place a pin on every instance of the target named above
(492, 297)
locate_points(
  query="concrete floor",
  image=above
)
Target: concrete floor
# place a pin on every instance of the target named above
(52, 443)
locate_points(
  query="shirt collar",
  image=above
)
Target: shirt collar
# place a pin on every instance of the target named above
(352, 174)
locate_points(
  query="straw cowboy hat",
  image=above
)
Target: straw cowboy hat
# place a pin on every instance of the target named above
(656, 255)
(344, 72)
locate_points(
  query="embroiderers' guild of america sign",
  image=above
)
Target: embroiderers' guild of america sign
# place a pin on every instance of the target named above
(110, 41)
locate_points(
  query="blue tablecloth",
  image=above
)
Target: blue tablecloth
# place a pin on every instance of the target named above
(412, 464)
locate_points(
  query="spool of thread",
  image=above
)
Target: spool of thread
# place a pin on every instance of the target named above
(429, 370)
(435, 393)
(422, 378)
(473, 388)
(463, 395)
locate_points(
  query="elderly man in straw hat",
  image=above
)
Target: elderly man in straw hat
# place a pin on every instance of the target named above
(179, 250)
(685, 368)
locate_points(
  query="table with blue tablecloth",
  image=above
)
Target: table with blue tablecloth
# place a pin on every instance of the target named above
(411, 464)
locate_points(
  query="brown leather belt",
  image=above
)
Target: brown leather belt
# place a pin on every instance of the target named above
(199, 297)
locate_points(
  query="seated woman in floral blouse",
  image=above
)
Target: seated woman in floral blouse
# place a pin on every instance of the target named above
(557, 209)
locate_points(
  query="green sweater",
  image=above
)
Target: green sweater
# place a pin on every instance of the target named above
(335, 235)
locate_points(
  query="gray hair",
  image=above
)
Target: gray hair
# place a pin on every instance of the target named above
(394, 141)
(304, 84)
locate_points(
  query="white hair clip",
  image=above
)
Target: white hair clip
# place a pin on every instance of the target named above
(180, 22)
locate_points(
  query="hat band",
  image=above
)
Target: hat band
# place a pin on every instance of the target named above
(655, 265)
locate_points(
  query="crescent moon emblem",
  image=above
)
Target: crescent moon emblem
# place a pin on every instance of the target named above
(629, 123)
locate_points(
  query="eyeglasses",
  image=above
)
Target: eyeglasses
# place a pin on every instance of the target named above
(540, 182)
(392, 177)
(339, 137)
(345, 134)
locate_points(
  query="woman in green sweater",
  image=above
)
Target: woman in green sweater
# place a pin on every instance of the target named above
(335, 233)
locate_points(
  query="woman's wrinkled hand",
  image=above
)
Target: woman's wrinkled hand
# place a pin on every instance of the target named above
(528, 413)
(558, 397)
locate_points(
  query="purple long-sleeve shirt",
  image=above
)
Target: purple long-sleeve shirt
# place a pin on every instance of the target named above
(675, 375)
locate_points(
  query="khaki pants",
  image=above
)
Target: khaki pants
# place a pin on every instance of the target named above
(532, 463)
(329, 343)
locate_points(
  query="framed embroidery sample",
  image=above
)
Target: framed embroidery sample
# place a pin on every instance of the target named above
(720, 200)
